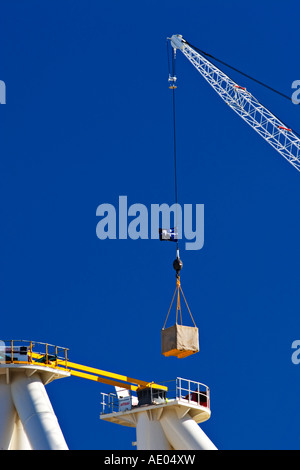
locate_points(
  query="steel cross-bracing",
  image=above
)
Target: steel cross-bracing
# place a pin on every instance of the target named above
(274, 131)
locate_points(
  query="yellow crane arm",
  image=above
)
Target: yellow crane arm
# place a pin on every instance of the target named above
(97, 375)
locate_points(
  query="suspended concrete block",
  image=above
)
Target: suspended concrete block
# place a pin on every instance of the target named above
(179, 341)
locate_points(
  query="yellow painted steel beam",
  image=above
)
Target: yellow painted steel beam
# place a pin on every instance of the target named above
(86, 372)
(104, 373)
(112, 375)
(84, 375)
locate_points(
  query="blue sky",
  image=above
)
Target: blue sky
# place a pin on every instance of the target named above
(89, 118)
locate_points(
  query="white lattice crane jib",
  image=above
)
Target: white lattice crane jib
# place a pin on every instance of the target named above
(265, 123)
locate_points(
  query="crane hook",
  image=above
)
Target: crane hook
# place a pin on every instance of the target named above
(177, 264)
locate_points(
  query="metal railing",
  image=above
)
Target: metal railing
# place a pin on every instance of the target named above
(33, 352)
(184, 390)
(110, 403)
(192, 392)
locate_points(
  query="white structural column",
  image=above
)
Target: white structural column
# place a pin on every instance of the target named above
(149, 433)
(36, 413)
(7, 414)
(19, 440)
(184, 433)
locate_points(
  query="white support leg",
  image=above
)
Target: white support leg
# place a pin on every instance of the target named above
(149, 433)
(19, 439)
(36, 413)
(7, 414)
(184, 433)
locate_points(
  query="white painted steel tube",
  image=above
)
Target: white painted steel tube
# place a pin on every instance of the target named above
(19, 439)
(7, 414)
(184, 433)
(149, 433)
(36, 413)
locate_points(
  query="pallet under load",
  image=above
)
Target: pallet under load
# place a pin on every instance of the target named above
(179, 340)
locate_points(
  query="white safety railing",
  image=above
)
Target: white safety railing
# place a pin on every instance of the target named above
(110, 403)
(192, 392)
(184, 390)
(32, 352)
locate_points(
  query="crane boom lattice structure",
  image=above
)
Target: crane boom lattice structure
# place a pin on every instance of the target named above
(265, 123)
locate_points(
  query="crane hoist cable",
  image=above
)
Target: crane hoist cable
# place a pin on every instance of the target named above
(177, 264)
(172, 80)
(178, 340)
